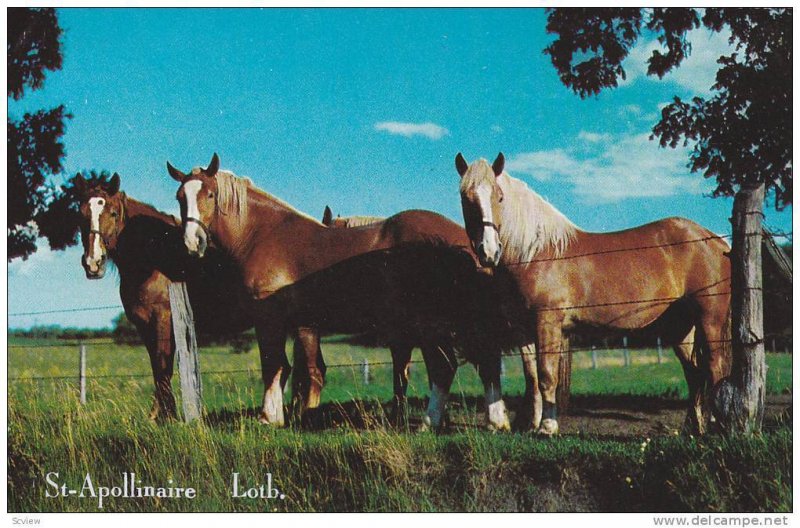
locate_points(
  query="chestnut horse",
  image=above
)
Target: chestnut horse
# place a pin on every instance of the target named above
(670, 270)
(145, 245)
(281, 251)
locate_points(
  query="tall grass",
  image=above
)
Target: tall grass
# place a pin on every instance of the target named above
(357, 463)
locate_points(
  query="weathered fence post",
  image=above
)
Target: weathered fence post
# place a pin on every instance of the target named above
(82, 373)
(365, 371)
(594, 357)
(739, 400)
(625, 352)
(186, 350)
(658, 347)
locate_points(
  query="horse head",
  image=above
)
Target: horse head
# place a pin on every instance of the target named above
(102, 209)
(198, 202)
(481, 197)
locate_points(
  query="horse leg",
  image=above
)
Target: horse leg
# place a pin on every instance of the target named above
(441, 365)
(716, 342)
(157, 337)
(687, 352)
(274, 371)
(308, 374)
(549, 343)
(529, 416)
(496, 413)
(401, 359)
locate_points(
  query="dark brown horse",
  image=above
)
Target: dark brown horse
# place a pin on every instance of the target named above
(670, 270)
(401, 354)
(286, 259)
(146, 247)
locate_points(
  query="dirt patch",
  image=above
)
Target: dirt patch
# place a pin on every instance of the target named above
(602, 416)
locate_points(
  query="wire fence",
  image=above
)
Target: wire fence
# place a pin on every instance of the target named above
(364, 364)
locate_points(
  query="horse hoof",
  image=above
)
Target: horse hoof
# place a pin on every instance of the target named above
(548, 427)
(263, 420)
(502, 426)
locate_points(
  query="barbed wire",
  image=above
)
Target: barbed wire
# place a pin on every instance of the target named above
(357, 364)
(545, 259)
(267, 291)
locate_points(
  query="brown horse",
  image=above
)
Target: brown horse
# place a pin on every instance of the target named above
(145, 245)
(672, 271)
(286, 259)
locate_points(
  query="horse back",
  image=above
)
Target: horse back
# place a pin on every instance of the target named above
(423, 226)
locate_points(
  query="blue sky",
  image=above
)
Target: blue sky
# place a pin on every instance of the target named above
(362, 110)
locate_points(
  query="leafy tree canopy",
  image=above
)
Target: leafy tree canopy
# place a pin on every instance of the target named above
(35, 149)
(742, 134)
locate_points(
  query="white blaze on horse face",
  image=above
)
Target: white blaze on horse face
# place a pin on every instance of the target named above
(95, 255)
(490, 238)
(191, 230)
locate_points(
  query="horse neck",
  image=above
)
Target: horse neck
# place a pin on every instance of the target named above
(134, 208)
(128, 255)
(531, 227)
(264, 214)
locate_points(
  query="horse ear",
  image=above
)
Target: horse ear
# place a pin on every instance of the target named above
(175, 173)
(499, 164)
(327, 216)
(461, 165)
(213, 167)
(113, 185)
(80, 184)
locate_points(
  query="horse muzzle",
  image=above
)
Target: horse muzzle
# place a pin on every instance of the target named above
(196, 245)
(487, 260)
(94, 269)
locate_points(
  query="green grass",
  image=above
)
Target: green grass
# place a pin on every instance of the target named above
(372, 468)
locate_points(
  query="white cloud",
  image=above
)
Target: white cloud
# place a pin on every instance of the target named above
(617, 167)
(696, 73)
(592, 137)
(428, 130)
(497, 129)
(35, 263)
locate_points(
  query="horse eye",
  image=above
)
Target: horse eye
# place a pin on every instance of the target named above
(113, 214)
(210, 194)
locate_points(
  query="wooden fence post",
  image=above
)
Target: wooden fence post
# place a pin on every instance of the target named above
(625, 352)
(186, 350)
(82, 373)
(658, 346)
(365, 371)
(594, 357)
(739, 400)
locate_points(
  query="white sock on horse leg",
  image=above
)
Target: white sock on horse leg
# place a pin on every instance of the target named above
(436, 406)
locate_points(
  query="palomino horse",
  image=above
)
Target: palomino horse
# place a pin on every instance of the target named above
(297, 270)
(670, 270)
(145, 245)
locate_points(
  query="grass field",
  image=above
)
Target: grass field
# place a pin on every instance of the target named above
(366, 466)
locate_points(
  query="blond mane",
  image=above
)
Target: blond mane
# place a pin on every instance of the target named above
(232, 196)
(359, 221)
(232, 193)
(529, 224)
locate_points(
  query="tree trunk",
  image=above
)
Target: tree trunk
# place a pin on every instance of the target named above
(740, 399)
